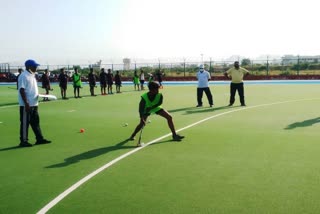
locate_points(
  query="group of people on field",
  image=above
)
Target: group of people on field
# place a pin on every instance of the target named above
(150, 102)
(139, 79)
(106, 82)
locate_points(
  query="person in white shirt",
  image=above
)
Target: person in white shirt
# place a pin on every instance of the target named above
(203, 78)
(28, 102)
(142, 79)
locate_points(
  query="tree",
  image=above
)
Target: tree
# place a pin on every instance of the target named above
(245, 61)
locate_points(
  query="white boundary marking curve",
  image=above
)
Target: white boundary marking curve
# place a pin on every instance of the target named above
(107, 165)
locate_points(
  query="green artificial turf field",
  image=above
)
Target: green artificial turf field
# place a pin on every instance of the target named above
(263, 158)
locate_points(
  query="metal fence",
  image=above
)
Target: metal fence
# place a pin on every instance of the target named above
(283, 66)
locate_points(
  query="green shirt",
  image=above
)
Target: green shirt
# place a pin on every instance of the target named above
(76, 80)
(153, 106)
(237, 74)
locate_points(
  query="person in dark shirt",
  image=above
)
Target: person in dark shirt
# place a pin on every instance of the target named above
(109, 81)
(103, 81)
(92, 82)
(159, 77)
(46, 83)
(63, 81)
(117, 80)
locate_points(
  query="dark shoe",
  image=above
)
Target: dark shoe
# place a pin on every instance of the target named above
(25, 144)
(131, 138)
(177, 137)
(243, 104)
(43, 141)
(199, 106)
(230, 104)
(211, 105)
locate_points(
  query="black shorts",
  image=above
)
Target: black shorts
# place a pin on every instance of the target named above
(157, 112)
(63, 86)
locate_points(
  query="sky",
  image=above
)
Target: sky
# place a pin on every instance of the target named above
(85, 31)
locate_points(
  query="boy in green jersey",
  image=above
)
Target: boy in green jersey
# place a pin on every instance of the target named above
(76, 78)
(150, 103)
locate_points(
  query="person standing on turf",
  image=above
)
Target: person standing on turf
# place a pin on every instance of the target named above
(109, 81)
(76, 78)
(63, 82)
(92, 82)
(117, 81)
(142, 79)
(28, 102)
(203, 78)
(236, 74)
(19, 72)
(159, 75)
(136, 81)
(150, 103)
(103, 81)
(46, 83)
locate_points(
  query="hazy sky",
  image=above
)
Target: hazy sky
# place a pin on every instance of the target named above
(85, 31)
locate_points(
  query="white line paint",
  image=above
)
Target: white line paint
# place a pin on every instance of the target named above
(107, 165)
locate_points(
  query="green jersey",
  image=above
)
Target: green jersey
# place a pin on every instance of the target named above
(153, 103)
(76, 80)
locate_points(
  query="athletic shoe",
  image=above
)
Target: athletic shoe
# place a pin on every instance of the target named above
(43, 141)
(211, 105)
(25, 144)
(243, 104)
(230, 104)
(131, 138)
(199, 106)
(177, 137)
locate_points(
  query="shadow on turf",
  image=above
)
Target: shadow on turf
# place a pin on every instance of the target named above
(9, 104)
(304, 123)
(91, 154)
(193, 110)
(11, 148)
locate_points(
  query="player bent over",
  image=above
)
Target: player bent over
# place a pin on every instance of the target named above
(150, 103)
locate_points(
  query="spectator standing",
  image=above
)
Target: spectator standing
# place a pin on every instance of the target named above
(236, 74)
(92, 81)
(142, 79)
(117, 80)
(76, 78)
(136, 82)
(203, 78)
(159, 75)
(63, 82)
(103, 81)
(109, 81)
(19, 72)
(46, 83)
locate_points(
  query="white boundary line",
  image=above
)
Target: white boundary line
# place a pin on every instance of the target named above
(107, 165)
